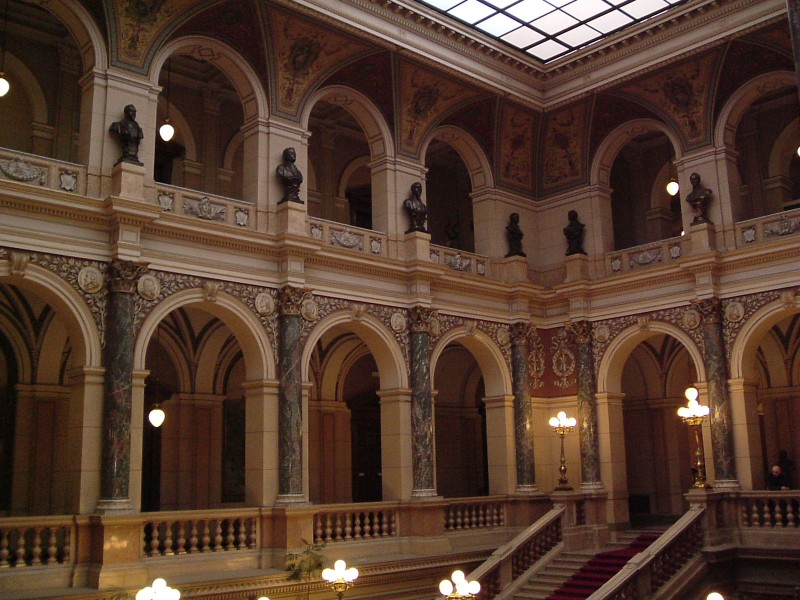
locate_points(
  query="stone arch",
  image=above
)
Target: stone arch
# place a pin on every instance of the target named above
(31, 86)
(84, 30)
(745, 347)
(333, 369)
(609, 378)
(364, 110)
(356, 164)
(610, 147)
(248, 330)
(737, 105)
(496, 376)
(226, 59)
(480, 172)
(230, 151)
(68, 304)
(383, 345)
(182, 129)
(784, 150)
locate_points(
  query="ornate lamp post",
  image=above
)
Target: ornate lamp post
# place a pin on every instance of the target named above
(158, 591)
(459, 587)
(562, 425)
(340, 578)
(693, 415)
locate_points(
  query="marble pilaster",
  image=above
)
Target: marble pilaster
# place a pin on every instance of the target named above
(581, 333)
(421, 405)
(721, 414)
(523, 408)
(118, 388)
(290, 398)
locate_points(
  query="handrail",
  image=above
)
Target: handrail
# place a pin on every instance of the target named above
(525, 549)
(657, 562)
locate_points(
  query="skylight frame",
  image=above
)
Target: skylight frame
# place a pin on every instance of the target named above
(554, 23)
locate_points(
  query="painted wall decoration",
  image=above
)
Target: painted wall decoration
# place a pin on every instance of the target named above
(370, 75)
(563, 152)
(477, 119)
(139, 23)
(303, 52)
(516, 136)
(425, 96)
(682, 94)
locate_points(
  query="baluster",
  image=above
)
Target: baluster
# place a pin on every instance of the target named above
(755, 517)
(459, 517)
(217, 535)
(449, 519)
(65, 551)
(230, 538)
(193, 538)
(181, 537)
(154, 534)
(746, 522)
(328, 528)
(392, 523)
(252, 542)
(348, 526)
(52, 547)
(318, 529)
(20, 553)
(767, 515)
(790, 513)
(36, 551)
(4, 549)
(242, 541)
(167, 539)
(778, 514)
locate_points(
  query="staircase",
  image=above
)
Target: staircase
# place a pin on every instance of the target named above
(575, 575)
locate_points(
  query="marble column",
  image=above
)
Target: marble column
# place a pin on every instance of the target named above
(421, 405)
(523, 409)
(793, 7)
(118, 388)
(581, 335)
(290, 398)
(718, 401)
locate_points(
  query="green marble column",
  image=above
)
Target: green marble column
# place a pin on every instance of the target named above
(118, 388)
(421, 405)
(718, 401)
(523, 408)
(290, 397)
(581, 335)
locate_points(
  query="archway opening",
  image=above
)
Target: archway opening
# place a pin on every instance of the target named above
(337, 142)
(460, 425)
(641, 209)
(448, 188)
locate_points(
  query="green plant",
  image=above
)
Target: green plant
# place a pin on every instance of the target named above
(306, 564)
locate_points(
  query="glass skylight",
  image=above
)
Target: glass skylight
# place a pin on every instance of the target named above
(550, 29)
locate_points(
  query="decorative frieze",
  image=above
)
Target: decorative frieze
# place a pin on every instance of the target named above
(21, 170)
(563, 360)
(204, 209)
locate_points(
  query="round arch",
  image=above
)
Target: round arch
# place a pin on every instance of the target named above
(182, 129)
(230, 150)
(496, 377)
(784, 150)
(333, 369)
(354, 165)
(376, 130)
(31, 86)
(83, 29)
(737, 105)
(226, 59)
(613, 143)
(383, 345)
(68, 304)
(480, 172)
(743, 352)
(609, 379)
(248, 330)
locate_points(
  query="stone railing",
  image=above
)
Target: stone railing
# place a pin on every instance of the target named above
(351, 524)
(769, 510)
(646, 572)
(36, 542)
(165, 534)
(768, 228)
(205, 207)
(646, 255)
(474, 515)
(339, 235)
(42, 171)
(511, 560)
(458, 260)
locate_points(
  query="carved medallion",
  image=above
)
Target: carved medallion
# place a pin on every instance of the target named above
(149, 287)
(691, 319)
(90, 279)
(602, 333)
(503, 336)
(309, 310)
(434, 327)
(265, 303)
(734, 312)
(398, 322)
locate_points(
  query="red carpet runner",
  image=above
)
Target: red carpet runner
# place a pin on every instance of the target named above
(600, 569)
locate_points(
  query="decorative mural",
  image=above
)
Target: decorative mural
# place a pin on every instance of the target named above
(424, 97)
(516, 137)
(369, 76)
(140, 22)
(477, 119)
(564, 134)
(302, 52)
(682, 94)
(536, 359)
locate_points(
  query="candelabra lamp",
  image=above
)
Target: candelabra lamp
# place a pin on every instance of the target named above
(340, 578)
(158, 591)
(562, 425)
(693, 415)
(458, 587)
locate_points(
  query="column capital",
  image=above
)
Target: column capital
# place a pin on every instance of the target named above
(421, 318)
(579, 332)
(519, 332)
(291, 298)
(123, 275)
(709, 309)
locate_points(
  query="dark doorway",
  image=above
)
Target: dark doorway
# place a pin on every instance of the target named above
(366, 438)
(151, 449)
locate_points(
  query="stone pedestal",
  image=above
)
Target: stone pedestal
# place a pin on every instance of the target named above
(127, 181)
(703, 238)
(417, 247)
(292, 218)
(514, 269)
(577, 267)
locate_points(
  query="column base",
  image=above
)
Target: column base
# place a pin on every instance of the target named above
(593, 487)
(727, 485)
(427, 494)
(123, 506)
(527, 490)
(291, 500)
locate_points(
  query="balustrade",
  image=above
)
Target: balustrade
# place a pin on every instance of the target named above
(474, 515)
(349, 525)
(168, 536)
(770, 509)
(34, 545)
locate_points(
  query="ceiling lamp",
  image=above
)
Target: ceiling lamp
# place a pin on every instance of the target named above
(673, 188)
(4, 85)
(156, 416)
(166, 131)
